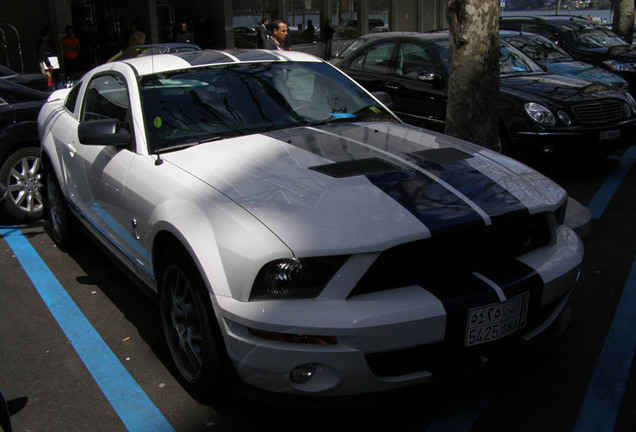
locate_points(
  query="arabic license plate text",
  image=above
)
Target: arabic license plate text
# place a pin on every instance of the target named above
(497, 320)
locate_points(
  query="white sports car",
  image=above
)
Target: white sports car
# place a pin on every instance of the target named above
(300, 238)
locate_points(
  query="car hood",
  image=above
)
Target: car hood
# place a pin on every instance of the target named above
(585, 71)
(555, 87)
(363, 187)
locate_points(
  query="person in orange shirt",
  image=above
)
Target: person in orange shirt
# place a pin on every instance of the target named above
(71, 48)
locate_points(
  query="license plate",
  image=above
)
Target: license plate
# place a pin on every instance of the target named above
(610, 134)
(497, 320)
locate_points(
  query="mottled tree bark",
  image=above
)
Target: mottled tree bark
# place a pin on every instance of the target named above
(623, 22)
(473, 88)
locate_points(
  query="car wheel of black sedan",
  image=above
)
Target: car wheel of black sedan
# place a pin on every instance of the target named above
(58, 220)
(190, 327)
(21, 175)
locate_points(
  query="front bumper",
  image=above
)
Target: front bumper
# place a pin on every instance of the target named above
(592, 141)
(387, 339)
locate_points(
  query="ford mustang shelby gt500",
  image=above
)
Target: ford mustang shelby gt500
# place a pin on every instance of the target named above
(301, 238)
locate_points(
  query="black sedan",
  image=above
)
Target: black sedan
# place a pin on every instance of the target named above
(539, 111)
(20, 174)
(35, 81)
(583, 40)
(554, 59)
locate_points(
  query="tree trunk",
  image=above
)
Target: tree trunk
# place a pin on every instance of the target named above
(623, 22)
(473, 88)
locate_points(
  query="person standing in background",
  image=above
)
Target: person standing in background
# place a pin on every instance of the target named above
(183, 35)
(279, 35)
(47, 57)
(327, 34)
(263, 33)
(71, 49)
(137, 37)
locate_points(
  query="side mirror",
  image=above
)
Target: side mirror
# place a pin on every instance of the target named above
(385, 98)
(107, 132)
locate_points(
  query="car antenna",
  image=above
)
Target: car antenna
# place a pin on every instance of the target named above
(159, 161)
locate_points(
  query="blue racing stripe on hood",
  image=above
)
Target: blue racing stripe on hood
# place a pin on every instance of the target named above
(446, 163)
(437, 207)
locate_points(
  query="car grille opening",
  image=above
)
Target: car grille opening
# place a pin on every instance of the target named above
(455, 252)
(598, 112)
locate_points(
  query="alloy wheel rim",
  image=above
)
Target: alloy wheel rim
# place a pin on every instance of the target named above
(24, 184)
(186, 332)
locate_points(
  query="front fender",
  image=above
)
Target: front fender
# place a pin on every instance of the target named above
(228, 245)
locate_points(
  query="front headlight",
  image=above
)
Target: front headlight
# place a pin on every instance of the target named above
(618, 66)
(540, 114)
(631, 102)
(295, 278)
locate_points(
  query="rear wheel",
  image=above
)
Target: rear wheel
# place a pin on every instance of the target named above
(190, 327)
(21, 175)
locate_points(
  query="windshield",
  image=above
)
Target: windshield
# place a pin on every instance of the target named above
(538, 48)
(510, 59)
(187, 107)
(596, 37)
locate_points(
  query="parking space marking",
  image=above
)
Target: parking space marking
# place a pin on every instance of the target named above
(602, 401)
(604, 195)
(132, 405)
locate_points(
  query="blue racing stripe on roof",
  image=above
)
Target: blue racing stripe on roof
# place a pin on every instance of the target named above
(254, 55)
(204, 57)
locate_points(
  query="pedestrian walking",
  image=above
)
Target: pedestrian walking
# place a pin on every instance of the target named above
(279, 34)
(327, 35)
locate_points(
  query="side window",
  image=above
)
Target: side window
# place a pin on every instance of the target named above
(376, 59)
(71, 99)
(534, 28)
(106, 97)
(412, 60)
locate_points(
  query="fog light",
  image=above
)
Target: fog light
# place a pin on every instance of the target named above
(302, 374)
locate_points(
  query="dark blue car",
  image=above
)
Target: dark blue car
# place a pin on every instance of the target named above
(554, 59)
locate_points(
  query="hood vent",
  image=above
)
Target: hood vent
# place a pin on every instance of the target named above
(361, 167)
(442, 156)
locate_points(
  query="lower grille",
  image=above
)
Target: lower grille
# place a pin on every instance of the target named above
(598, 112)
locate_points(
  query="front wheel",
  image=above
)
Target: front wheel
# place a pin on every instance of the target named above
(20, 173)
(58, 220)
(190, 326)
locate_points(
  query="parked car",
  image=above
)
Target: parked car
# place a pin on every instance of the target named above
(36, 81)
(298, 235)
(153, 49)
(245, 37)
(583, 40)
(554, 59)
(539, 112)
(20, 151)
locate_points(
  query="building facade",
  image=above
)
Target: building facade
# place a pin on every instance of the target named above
(103, 26)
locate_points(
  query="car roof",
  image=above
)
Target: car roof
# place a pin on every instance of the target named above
(549, 18)
(432, 35)
(168, 62)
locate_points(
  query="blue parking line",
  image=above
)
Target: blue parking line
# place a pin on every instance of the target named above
(132, 405)
(602, 401)
(604, 195)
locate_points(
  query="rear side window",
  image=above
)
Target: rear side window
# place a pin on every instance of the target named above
(71, 100)
(376, 59)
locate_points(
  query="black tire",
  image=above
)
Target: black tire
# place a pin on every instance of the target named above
(191, 329)
(59, 222)
(21, 175)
